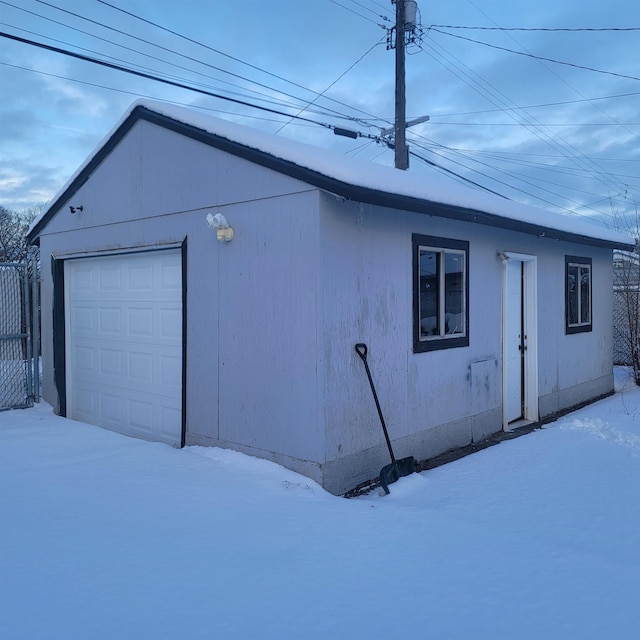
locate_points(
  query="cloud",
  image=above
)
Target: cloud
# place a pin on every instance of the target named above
(26, 184)
(15, 125)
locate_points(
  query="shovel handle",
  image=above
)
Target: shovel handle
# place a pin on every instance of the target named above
(361, 350)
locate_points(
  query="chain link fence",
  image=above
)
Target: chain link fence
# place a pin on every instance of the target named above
(19, 334)
(626, 312)
(626, 309)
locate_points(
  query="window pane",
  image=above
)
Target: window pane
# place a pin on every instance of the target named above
(585, 297)
(429, 276)
(440, 282)
(454, 293)
(572, 294)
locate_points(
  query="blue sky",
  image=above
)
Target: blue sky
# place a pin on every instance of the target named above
(579, 154)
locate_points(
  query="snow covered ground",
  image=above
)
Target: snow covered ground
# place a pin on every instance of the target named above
(103, 536)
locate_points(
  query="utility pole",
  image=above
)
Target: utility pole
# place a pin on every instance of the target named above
(401, 151)
(406, 31)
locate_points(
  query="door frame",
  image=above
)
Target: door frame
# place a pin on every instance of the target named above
(530, 411)
(61, 323)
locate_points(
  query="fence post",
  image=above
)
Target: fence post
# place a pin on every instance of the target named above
(27, 330)
(36, 326)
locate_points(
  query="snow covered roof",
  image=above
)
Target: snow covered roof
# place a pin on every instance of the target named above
(351, 178)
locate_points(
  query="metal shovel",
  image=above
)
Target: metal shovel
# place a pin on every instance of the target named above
(398, 468)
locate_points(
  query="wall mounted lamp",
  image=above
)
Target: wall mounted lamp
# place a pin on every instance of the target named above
(224, 232)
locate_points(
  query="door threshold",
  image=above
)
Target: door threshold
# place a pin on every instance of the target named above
(518, 424)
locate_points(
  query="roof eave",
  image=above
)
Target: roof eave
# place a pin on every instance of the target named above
(322, 181)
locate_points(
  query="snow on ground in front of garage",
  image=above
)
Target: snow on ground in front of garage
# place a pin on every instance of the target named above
(104, 536)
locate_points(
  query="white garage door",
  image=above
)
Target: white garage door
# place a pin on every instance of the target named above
(123, 318)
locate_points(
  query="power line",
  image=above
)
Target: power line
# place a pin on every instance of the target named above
(494, 179)
(550, 141)
(148, 76)
(492, 167)
(520, 179)
(433, 116)
(536, 106)
(191, 58)
(383, 17)
(531, 55)
(570, 29)
(332, 114)
(139, 66)
(342, 75)
(543, 64)
(542, 124)
(553, 140)
(137, 94)
(440, 167)
(453, 173)
(128, 48)
(550, 155)
(380, 5)
(500, 156)
(150, 22)
(357, 14)
(311, 122)
(230, 57)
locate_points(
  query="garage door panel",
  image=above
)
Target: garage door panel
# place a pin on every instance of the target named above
(152, 415)
(110, 362)
(83, 358)
(111, 408)
(84, 404)
(124, 343)
(167, 418)
(154, 320)
(170, 323)
(83, 279)
(109, 321)
(141, 416)
(82, 318)
(140, 322)
(170, 276)
(159, 278)
(110, 277)
(138, 367)
(170, 373)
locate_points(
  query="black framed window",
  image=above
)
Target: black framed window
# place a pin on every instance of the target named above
(440, 293)
(578, 295)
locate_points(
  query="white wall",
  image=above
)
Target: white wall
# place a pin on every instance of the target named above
(268, 331)
(574, 367)
(252, 306)
(367, 294)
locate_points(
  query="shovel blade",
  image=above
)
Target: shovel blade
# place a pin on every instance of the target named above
(398, 469)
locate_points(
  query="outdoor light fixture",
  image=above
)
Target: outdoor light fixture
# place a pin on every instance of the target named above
(224, 232)
(74, 209)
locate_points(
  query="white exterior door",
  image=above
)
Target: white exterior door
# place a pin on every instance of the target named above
(514, 342)
(519, 338)
(123, 325)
